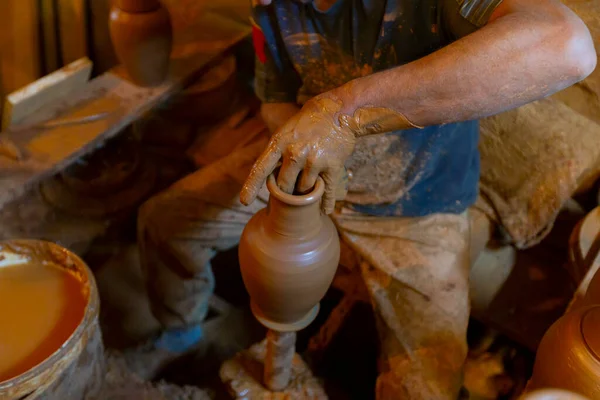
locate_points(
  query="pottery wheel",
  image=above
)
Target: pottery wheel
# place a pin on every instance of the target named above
(56, 192)
(243, 377)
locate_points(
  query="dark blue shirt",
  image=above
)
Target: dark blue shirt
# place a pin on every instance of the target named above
(303, 51)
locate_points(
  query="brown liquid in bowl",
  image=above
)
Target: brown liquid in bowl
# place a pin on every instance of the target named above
(40, 307)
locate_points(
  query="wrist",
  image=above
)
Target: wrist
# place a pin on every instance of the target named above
(365, 115)
(348, 96)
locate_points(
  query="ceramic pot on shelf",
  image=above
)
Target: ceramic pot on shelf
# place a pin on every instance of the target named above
(142, 37)
(568, 356)
(289, 253)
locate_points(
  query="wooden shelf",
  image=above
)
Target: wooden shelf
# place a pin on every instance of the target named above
(203, 30)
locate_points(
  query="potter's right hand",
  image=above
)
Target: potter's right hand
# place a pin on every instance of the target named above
(313, 143)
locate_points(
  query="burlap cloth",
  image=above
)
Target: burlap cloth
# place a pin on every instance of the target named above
(532, 160)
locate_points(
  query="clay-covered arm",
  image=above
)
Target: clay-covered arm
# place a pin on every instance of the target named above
(528, 50)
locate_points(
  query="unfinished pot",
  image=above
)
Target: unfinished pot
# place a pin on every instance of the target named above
(142, 37)
(289, 253)
(568, 356)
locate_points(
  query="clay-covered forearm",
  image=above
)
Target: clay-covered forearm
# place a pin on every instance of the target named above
(528, 50)
(277, 114)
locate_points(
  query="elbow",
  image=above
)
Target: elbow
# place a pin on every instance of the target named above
(578, 52)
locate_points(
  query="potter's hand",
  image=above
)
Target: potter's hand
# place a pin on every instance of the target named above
(315, 142)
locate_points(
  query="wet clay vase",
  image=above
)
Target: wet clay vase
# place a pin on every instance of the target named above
(289, 252)
(568, 356)
(142, 37)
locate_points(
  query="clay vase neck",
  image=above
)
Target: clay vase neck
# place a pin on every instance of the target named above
(293, 216)
(289, 253)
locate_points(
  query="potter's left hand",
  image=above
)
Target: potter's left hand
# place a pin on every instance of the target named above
(315, 142)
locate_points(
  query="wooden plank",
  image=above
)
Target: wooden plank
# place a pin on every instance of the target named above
(50, 36)
(51, 88)
(50, 150)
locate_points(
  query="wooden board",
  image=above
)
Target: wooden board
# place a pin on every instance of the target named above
(72, 21)
(47, 90)
(197, 43)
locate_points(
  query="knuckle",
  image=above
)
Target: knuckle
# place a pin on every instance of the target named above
(327, 178)
(312, 162)
(294, 155)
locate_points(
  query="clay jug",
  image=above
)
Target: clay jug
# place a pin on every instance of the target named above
(568, 356)
(289, 252)
(142, 37)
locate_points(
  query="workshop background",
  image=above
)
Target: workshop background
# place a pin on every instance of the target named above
(527, 269)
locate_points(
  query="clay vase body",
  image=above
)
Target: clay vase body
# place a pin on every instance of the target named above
(142, 37)
(568, 356)
(289, 253)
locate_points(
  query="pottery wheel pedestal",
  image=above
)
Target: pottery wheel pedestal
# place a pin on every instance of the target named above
(243, 376)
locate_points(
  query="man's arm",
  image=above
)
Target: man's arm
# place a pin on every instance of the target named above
(529, 49)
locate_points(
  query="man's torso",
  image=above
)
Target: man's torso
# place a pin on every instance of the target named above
(414, 172)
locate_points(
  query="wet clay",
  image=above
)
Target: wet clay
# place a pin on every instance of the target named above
(318, 141)
(241, 376)
(568, 356)
(373, 120)
(41, 305)
(288, 253)
(142, 37)
(281, 347)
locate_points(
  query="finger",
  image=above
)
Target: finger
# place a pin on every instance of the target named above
(309, 177)
(293, 162)
(263, 167)
(330, 179)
